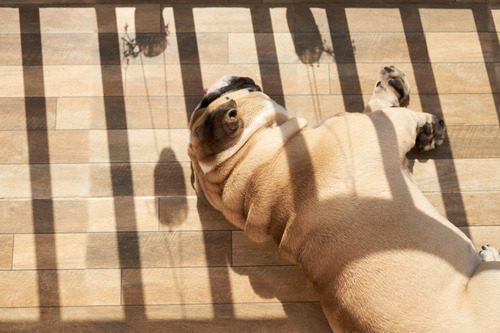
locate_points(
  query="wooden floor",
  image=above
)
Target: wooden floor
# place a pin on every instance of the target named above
(100, 230)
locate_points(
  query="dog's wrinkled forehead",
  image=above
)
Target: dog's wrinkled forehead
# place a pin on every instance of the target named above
(224, 85)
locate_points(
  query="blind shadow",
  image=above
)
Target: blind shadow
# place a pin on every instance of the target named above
(120, 166)
(490, 47)
(345, 60)
(39, 157)
(425, 81)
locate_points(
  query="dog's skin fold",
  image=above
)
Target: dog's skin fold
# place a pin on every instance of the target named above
(339, 200)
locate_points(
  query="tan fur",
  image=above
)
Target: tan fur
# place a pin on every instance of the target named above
(339, 201)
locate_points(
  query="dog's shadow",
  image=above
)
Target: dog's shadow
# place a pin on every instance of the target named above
(293, 286)
(169, 185)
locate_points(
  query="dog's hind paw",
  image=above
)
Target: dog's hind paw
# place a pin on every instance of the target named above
(489, 253)
(431, 135)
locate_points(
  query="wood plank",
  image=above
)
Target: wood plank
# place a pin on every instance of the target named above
(10, 20)
(443, 47)
(146, 18)
(6, 246)
(100, 250)
(83, 49)
(173, 178)
(276, 47)
(212, 48)
(298, 79)
(94, 180)
(248, 253)
(77, 146)
(79, 215)
(11, 80)
(141, 112)
(463, 209)
(13, 113)
(466, 142)
(266, 317)
(457, 109)
(75, 288)
(10, 54)
(88, 112)
(380, 18)
(370, 47)
(451, 78)
(179, 213)
(170, 112)
(236, 19)
(456, 19)
(68, 20)
(474, 175)
(158, 80)
(483, 235)
(216, 285)
(295, 79)
(162, 112)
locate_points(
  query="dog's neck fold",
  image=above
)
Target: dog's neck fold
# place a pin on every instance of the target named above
(241, 167)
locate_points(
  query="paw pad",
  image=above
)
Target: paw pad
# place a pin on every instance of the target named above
(431, 135)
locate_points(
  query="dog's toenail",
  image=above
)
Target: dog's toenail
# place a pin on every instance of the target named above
(483, 248)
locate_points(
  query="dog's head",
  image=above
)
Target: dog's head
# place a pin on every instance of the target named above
(232, 110)
(392, 87)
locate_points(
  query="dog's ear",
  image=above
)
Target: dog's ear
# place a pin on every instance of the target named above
(404, 96)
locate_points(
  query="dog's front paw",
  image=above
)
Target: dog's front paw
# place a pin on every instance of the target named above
(431, 135)
(489, 253)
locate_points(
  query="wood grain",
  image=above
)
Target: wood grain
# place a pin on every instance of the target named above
(79, 215)
(450, 78)
(122, 244)
(206, 285)
(76, 146)
(6, 250)
(473, 175)
(99, 250)
(76, 288)
(267, 317)
(93, 180)
(468, 209)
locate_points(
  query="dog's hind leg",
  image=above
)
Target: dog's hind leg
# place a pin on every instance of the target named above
(483, 296)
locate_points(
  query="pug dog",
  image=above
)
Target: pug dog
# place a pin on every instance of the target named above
(339, 200)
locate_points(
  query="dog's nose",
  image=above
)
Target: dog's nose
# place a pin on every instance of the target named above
(388, 69)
